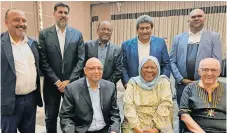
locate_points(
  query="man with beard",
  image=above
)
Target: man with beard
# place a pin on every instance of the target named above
(144, 45)
(108, 53)
(20, 82)
(189, 48)
(61, 51)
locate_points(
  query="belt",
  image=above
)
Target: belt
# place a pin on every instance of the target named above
(98, 131)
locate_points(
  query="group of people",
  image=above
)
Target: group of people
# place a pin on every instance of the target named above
(85, 75)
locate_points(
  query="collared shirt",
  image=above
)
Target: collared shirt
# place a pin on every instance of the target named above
(102, 53)
(61, 39)
(194, 38)
(143, 49)
(25, 68)
(98, 120)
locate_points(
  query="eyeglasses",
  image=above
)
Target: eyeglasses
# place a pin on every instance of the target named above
(206, 70)
(94, 68)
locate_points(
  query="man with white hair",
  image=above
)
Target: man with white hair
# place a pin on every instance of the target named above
(203, 103)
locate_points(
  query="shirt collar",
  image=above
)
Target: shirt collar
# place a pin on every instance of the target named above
(89, 86)
(200, 32)
(104, 44)
(59, 30)
(25, 40)
(139, 42)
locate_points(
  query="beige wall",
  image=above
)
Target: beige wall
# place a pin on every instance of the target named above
(79, 15)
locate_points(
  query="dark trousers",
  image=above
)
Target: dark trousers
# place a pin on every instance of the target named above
(52, 99)
(23, 117)
(180, 89)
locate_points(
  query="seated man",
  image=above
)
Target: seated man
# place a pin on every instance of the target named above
(203, 103)
(89, 104)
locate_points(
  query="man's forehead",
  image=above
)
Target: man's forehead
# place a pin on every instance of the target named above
(16, 12)
(196, 12)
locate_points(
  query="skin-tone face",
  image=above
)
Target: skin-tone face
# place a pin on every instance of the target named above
(61, 16)
(196, 19)
(93, 70)
(149, 71)
(144, 32)
(104, 31)
(16, 23)
(209, 70)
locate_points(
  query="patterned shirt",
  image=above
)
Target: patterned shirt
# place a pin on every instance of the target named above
(102, 53)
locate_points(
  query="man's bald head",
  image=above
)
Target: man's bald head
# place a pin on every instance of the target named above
(196, 11)
(196, 20)
(105, 22)
(210, 62)
(93, 60)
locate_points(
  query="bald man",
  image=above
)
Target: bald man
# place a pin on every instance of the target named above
(189, 48)
(20, 81)
(90, 103)
(203, 103)
(108, 53)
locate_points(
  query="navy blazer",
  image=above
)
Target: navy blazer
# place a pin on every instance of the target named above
(131, 59)
(8, 75)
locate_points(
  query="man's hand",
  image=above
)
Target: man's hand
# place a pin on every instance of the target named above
(64, 84)
(112, 132)
(59, 84)
(125, 86)
(151, 130)
(138, 130)
(186, 81)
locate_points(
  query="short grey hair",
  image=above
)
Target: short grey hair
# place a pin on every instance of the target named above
(144, 19)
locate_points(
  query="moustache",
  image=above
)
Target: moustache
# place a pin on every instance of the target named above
(63, 18)
(23, 27)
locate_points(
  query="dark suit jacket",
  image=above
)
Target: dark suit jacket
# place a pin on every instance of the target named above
(8, 75)
(52, 65)
(131, 59)
(76, 112)
(113, 62)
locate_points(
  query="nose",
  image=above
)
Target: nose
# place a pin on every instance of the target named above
(209, 72)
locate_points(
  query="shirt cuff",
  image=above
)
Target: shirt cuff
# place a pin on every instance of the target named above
(56, 82)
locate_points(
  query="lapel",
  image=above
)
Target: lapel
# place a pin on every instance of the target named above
(153, 46)
(135, 51)
(202, 42)
(183, 49)
(54, 36)
(85, 93)
(95, 46)
(109, 52)
(7, 48)
(34, 51)
(102, 93)
(68, 37)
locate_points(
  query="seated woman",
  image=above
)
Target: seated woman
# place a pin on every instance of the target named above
(203, 103)
(148, 101)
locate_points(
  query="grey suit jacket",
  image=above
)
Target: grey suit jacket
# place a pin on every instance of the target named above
(209, 47)
(8, 75)
(113, 62)
(52, 65)
(76, 112)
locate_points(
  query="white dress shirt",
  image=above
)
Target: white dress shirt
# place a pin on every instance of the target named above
(143, 50)
(194, 38)
(24, 66)
(61, 39)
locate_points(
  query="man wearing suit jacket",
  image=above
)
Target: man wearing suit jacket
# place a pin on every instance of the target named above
(135, 49)
(20, 81)
(189, 48)
(90, 103)
(61, 51)
(109, 53)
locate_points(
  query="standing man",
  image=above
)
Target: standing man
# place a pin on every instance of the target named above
(108, 53)
(61, 50)
(20, 81)
(189, 48)
(144, 45)
(90, 103)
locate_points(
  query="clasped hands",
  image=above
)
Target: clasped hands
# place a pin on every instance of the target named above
(147, 130)
(62, 84)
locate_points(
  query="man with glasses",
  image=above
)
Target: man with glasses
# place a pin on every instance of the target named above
(61, 51)
(108, 53)
(90, 103)
(189, 48)
(203, 103)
